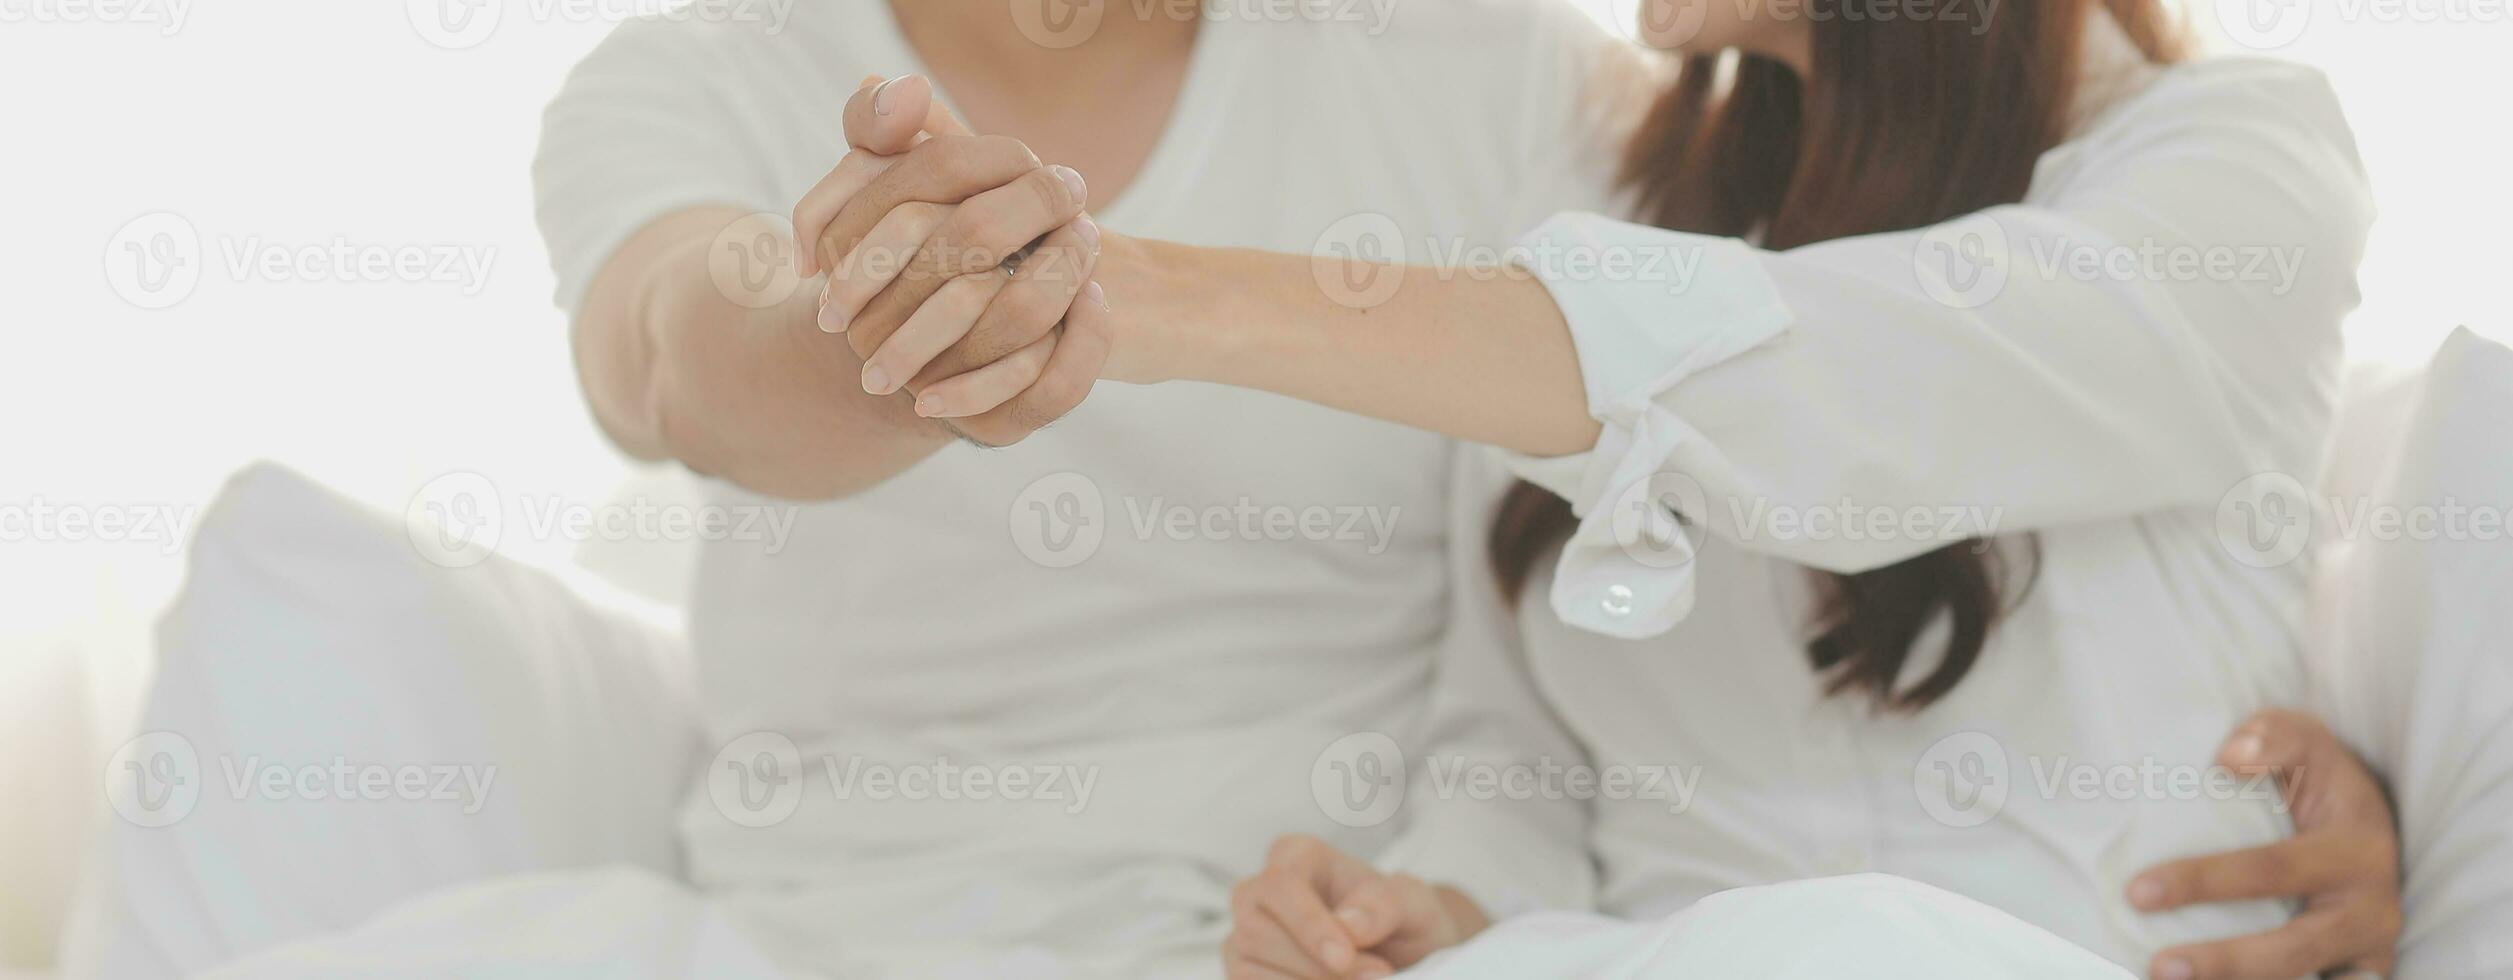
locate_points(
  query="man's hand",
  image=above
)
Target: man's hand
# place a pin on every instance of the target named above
(1317, 912)
(2343, 863)
(959, 268)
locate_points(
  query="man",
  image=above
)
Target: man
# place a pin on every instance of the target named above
(1177, 597)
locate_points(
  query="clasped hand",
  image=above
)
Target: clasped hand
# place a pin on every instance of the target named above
(959, 267)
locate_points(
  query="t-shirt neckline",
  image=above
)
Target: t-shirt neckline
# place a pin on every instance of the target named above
(1194, 117)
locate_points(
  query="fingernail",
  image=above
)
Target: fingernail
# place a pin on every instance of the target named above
(2173, 969)
(876, 380)
(2244, 749)
(1335, 954)
(2146, 893)
(1372, 972)
(1072, 179)
(881, 97)
(1092, 292)
(1351, 914)
(832, 319)
(928, 406)
(1089, 232)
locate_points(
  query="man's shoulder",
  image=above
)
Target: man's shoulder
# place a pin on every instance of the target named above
(727, 39)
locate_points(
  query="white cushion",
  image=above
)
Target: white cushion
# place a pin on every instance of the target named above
(310, 631)
(2413, 657)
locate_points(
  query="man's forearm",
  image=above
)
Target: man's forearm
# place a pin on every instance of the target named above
(676, 369)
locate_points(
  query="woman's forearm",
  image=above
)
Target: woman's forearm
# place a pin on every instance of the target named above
(1481, 354)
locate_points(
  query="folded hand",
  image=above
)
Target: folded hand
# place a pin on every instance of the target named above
(959, 267)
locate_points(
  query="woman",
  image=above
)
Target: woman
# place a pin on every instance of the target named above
(2027, 306)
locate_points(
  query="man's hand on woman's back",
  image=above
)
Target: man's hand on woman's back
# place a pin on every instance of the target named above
(2342, 864)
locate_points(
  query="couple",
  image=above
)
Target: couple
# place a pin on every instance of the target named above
(1733, 416)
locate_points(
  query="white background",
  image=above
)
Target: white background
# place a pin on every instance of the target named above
(295, 123)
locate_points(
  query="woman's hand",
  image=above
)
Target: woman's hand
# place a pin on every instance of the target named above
(959, 268)
(2343, 864)
(1317, 912)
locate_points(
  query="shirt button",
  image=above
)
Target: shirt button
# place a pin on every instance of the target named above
(1618, 600)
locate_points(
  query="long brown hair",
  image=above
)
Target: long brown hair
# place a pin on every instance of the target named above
(1903, 123)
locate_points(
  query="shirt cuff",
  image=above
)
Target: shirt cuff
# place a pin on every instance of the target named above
(1647, 308)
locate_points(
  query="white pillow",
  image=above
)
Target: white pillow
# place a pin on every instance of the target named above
(311, 632)
(2414, 659)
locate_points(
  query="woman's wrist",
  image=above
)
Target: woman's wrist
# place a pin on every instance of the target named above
(1180, 312)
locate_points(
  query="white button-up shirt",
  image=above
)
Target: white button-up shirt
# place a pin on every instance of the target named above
(2110, 364)
(2157, 321)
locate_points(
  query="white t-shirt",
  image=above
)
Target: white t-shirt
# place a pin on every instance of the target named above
(1155, 613)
